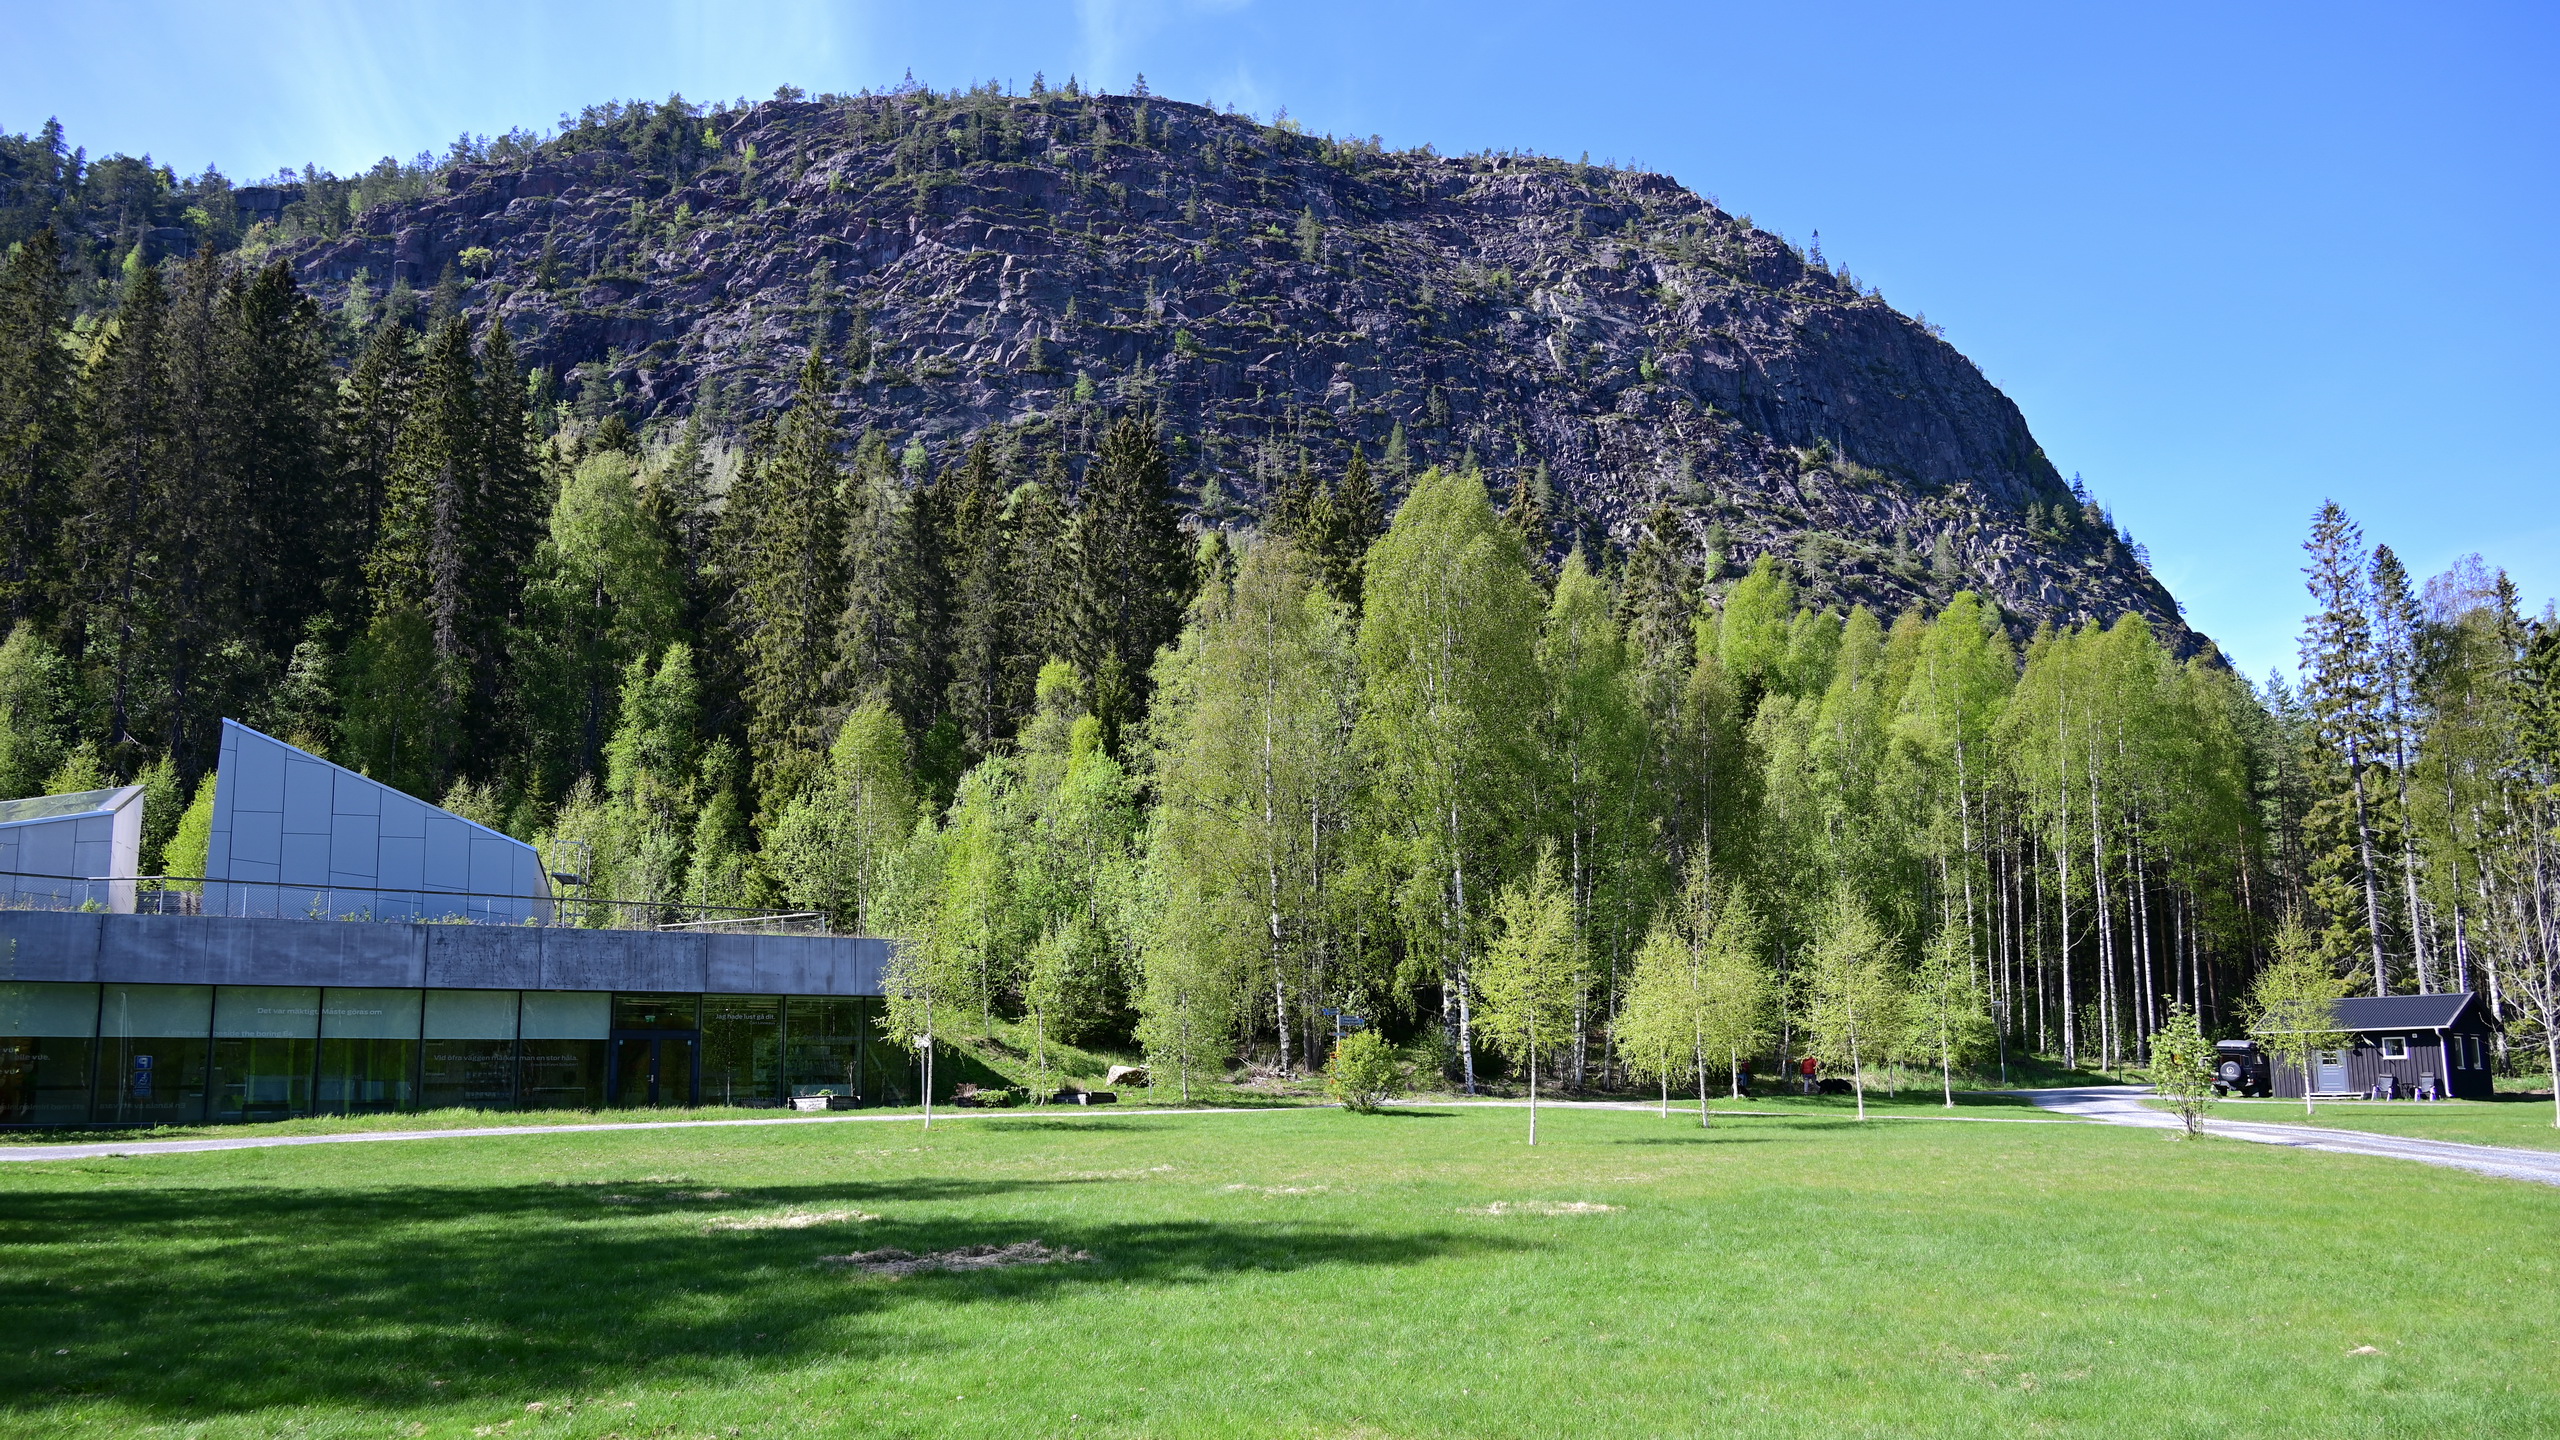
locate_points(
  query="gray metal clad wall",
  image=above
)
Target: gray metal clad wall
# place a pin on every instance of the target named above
(294, 822)
(220, 950)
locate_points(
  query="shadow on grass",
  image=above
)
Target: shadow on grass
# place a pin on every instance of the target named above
(199, 1302)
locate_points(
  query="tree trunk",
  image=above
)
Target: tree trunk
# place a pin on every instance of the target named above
(2364, 858)
(1533, 1094)
(1857, 1073)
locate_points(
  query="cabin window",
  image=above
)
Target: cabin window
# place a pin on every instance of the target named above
(2395, 1047)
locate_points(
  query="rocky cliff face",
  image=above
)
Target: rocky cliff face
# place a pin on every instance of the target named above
(973, 261)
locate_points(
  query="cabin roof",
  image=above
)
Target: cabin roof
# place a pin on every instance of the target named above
(2403, 1012)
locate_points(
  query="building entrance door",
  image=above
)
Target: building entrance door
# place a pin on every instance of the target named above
(654, 1067)
(2330, 1074)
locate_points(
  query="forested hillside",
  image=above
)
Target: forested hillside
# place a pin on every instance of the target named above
(1602, 341)
(1186, 577)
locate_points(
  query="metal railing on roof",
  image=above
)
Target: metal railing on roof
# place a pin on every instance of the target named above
(270, 899)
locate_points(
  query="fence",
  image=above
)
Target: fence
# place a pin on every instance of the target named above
(266, 899)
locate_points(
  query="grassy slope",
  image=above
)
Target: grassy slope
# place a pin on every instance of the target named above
(1309, 1273)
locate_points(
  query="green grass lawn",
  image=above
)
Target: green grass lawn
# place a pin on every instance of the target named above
(1306, 1272)
(2514, 1120)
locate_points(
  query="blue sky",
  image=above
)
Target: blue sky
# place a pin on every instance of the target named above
(2229, 259)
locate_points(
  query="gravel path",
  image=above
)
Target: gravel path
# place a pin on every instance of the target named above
(2122, 1105)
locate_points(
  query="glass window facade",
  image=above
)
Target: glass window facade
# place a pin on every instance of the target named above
(187, 1054)
(468, 1044)
(368, 1051)
(833, 1045)
(153, 1043)
(741, 1049)
(48, 1053)
(564, 1060)
(265, 1047)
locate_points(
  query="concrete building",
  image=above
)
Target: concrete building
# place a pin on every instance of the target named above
(362, 951)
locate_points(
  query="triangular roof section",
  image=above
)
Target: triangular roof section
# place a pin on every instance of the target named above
(295, 834)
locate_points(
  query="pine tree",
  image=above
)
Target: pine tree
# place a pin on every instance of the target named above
(1044, 622)
(204, 538)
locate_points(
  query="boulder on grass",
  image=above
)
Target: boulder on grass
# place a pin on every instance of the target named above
(1125, 1075)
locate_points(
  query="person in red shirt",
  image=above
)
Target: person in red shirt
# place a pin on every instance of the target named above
(1808, 1067)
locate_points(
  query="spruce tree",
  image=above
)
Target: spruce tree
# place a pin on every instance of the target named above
(2396, 629)
(1527, 513)
(984, 602)
(1354, 517)
(792, 593)
(2340, 672)
(108, 606)
(277, 390)
(207, 535)
(1296, 511)
(1657, 603)
(407, 676)
(677, 501)
(1132, 571)
(373, 405)
(36, 436)
(1045, 621)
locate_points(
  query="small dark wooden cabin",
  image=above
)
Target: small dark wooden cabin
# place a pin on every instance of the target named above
(2406, 1037)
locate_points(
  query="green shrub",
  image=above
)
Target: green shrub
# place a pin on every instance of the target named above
(1365, 1073)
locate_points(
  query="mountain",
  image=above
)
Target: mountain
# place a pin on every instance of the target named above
(975, 259)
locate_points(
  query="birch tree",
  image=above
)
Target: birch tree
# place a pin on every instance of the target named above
(1854, 999)
(1448, 627)
(1528, 985)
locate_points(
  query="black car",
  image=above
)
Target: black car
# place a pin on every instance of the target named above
(2242, 1069)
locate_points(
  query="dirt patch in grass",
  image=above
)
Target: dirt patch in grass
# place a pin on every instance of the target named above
(967, 1257)
(1545, 1207)
(1279, 1189)
(790, 1220)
